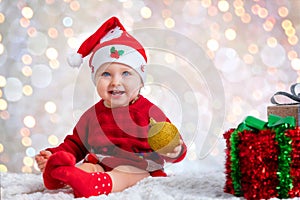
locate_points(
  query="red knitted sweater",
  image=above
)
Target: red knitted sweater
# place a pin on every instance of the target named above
(118, 136)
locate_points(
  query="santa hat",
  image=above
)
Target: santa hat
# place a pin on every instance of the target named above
(111, 43)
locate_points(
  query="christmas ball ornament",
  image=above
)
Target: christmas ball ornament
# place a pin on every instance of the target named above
(163, 137)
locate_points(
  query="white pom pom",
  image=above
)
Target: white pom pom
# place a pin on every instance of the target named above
(75, 60)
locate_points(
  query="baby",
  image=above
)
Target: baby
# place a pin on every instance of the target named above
(111, 136)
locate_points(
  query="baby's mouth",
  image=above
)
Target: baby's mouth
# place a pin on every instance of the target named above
(116, 92)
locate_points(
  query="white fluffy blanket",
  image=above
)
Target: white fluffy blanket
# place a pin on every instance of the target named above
(182, 186)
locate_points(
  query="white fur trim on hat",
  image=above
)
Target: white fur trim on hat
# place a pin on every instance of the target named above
(131, 57)
(75, 60)
(112, 34)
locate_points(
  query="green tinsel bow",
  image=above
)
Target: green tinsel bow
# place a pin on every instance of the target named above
(279, 125)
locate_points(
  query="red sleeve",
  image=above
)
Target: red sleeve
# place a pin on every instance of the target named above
(72, 144)
(75, 143)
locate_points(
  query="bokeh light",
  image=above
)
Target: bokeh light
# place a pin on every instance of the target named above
(75, 6)
(248, 59)
(4, 115)
(2, 18)
(25, 131)
(255, 9)
(41, 76)
(26, 141)
(213, 44)
(269, 24)
(13, 89)
(169, 22)
(53, 33)
(50, 107)
(296, 64)
(230, 34)
(3, 168)
(146, 12)
(27, 59)
(29, 121)
(27, 12)
(53, 140)
(206, 3)
(51, 53)
(227, 17)
(28, 161)
(72, 42)
(2, 81)
(263, 12)
(272, 42)
(3, 104)
(54, 64)
(37, 44)
(253, 48)
(223, 5)
(227, 59)
(31, 31)
(68, 32)
(67, 21)
(283, 11)
(246, 18)
(276, 59)
(27, 71)
(27, 90)
(240, 11)
(293, 40)
(286, 24)
(212, 11)
(292, 55)
(30, 152)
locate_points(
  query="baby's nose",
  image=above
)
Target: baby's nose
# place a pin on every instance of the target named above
(116, 80)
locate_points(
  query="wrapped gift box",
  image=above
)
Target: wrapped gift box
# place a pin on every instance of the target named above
(263, 159)
(285, 110)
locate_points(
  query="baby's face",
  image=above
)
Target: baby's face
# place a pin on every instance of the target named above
(117, 84)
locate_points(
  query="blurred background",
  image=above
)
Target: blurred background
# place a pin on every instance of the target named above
(211, 63)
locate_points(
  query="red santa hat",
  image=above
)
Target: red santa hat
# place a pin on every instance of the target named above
(111, 43)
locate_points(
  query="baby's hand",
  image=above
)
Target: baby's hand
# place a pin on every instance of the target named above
(175, 152)
(42, 159)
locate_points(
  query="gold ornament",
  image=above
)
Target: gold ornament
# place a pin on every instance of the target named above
(163, 137)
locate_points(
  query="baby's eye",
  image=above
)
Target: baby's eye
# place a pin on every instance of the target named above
(126, 73)
(105, 74)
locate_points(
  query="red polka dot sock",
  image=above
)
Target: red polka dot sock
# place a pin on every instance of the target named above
(84, 184)
(57, 159)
